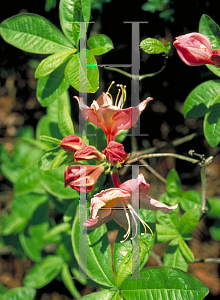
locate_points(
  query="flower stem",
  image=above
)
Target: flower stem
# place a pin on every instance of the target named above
(115, 179)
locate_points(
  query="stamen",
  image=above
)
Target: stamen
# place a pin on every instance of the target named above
(107, 93)
(129, 226)
(117, 97)
(122, 98)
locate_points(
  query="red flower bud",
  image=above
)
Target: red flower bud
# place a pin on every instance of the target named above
(195, 49)
(89, 152)
(82, 178)
(115, 153)
(72, 143)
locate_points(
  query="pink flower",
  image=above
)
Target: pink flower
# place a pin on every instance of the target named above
(89, 152)
(195, 49)
(82, 178)
(115, 203)
(112, 119)
(115, 153)
(72, 143)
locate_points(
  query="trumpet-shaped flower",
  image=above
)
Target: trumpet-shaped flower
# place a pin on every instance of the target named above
(82, 178)
(115, 153)
(195, 49)
(112, 119)
(115, 203)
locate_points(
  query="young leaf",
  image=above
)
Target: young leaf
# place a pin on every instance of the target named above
(212, 122)
(19, 293)
(51, 86)
(67, 280)
(99, 44)
(44, 272)
(173, 184)
(50, 63)
(170, 220)
(186, 250)
(165, 234)
(163, 283)
(190, 200)
(33, 33)
(198, 101)
(152, 46)
(83, 80)
(189, 222)
(65, 123)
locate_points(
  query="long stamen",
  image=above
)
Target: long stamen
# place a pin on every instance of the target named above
(107, 93)
(117, 97)
(129, 226)
(122, 101)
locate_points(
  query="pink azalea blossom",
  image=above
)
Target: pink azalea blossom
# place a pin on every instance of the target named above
(195, 49)
(72, 143)
(115, 203)
(112, 119)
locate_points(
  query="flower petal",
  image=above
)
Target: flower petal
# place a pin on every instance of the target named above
(152, 204)
(132, 185)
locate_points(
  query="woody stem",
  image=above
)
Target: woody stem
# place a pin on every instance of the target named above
(115, 179)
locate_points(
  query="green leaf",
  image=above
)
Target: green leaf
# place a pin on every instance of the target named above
(170, 220)
(173, 184)
(19, 293)
(65, 123)
(103, 295)
(186, 251)
(49, 139)
(51, 86)
(99, 44)
(189, 222)
(212, 122)
(53, 182)
(214, 204)
(44, 272)
(86, 10)
(165, 234)
(50, 63)
(198, 101)
(53, 110)
(174, 257)
(190, 200)
(211, 29)
(164, 283)
(215, 230)
(52, 159)
(48, 126)
(83, 80)
(54, 234)
(67, 280)
(30, 246)
(98, 253)
(33, 33)
(12, 224)
(152, 46)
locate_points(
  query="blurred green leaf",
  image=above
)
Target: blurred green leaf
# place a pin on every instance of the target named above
(215, 230)
(191, 200)
(30, 246)
(173, 184)
(67, 280)
(19, 293)
(214, 204)
(65, 123)
(54, 234)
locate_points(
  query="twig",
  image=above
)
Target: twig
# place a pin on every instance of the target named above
(207, 260)
(203, 185)
(143, 162)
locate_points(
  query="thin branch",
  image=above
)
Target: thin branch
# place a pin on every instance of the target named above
(144, 163)
(203, 185)
(207, 260)
(189, 159)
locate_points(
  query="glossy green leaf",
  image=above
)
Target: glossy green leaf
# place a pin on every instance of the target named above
(212, 122)
(210, 28)
(164, 283)
(173, 184)
(33, 33)
(103, 295)
(44, 272)
(98, 265)
(186, 251)
(99, 44)
(51, 86)
(189, 222)
(190, 200)
(50, 63)
(152, 46)
(30, 246)
(68, 281)
(170, 220)
(165, 234)
(198, 101)
(65, 123)
(174, 257)
(85, 79)
(53, 182)
(19, 293)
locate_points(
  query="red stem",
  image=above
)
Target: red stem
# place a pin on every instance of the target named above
(115, 179)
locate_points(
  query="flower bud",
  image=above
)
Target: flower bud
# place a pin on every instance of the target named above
(82, 178)
(115, 153)
(89, 152)
(195, 49)
(72, 143)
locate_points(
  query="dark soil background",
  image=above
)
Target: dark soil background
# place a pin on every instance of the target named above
(162, 121)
